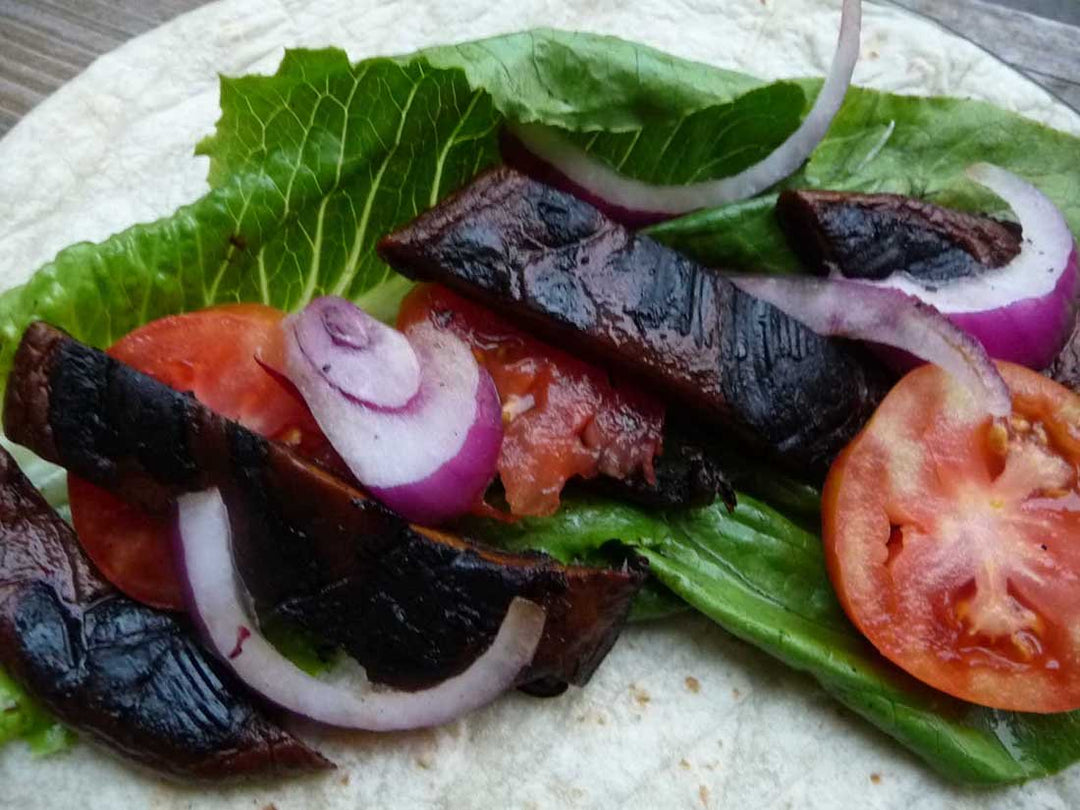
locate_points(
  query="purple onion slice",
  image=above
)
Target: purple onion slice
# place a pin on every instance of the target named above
(219, 607)
(887, 317)
(1025, 311)
(361, 357)
(428, 454)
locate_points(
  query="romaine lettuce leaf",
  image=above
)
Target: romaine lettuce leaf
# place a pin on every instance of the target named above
(881, 142)
(588, 83)
(716, 141)
(309, 168)
(22, 719)
(762, 577)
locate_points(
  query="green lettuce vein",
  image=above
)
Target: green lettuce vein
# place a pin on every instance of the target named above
(310, 166)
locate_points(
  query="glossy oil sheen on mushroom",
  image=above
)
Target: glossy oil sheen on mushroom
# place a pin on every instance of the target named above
(124, 675)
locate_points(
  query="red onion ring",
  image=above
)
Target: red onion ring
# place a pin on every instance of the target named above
(458, 485)
(217, 604)
(634, 201)
(359, 356)
(851, 309)
(1025, 311)
(428, 455)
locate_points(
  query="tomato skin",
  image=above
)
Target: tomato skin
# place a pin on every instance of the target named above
(562, 417)
(221, 356)
(212, 353)
(128, 546)
(953, 540)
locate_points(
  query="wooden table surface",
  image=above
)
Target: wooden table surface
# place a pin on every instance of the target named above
(43, 43)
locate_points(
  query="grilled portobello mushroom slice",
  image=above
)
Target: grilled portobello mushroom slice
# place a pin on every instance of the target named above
(584, 282)
(413, 606)
(872, 236)
(128, 677)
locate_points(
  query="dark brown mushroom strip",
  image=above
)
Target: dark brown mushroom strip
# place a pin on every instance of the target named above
(582, 281)
(122, 674)
(413, 606)
(1066, 366)
(687, 475)
(872, 236)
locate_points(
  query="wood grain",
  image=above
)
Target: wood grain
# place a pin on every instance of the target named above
(43, 43)
(1046, 50)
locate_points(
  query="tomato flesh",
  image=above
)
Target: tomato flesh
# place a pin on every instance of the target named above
(953, 540)
(562, 418)
(221, 356)
(128, 546)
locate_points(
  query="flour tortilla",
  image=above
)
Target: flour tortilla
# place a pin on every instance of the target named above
(680, 714)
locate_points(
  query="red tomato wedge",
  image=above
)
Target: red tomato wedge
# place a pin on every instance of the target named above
(216, 354)
(953, 541)
(562, 417)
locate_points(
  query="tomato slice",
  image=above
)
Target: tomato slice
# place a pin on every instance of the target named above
(129, 546)
(562, 417)
(953, 540)
(219, 355)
